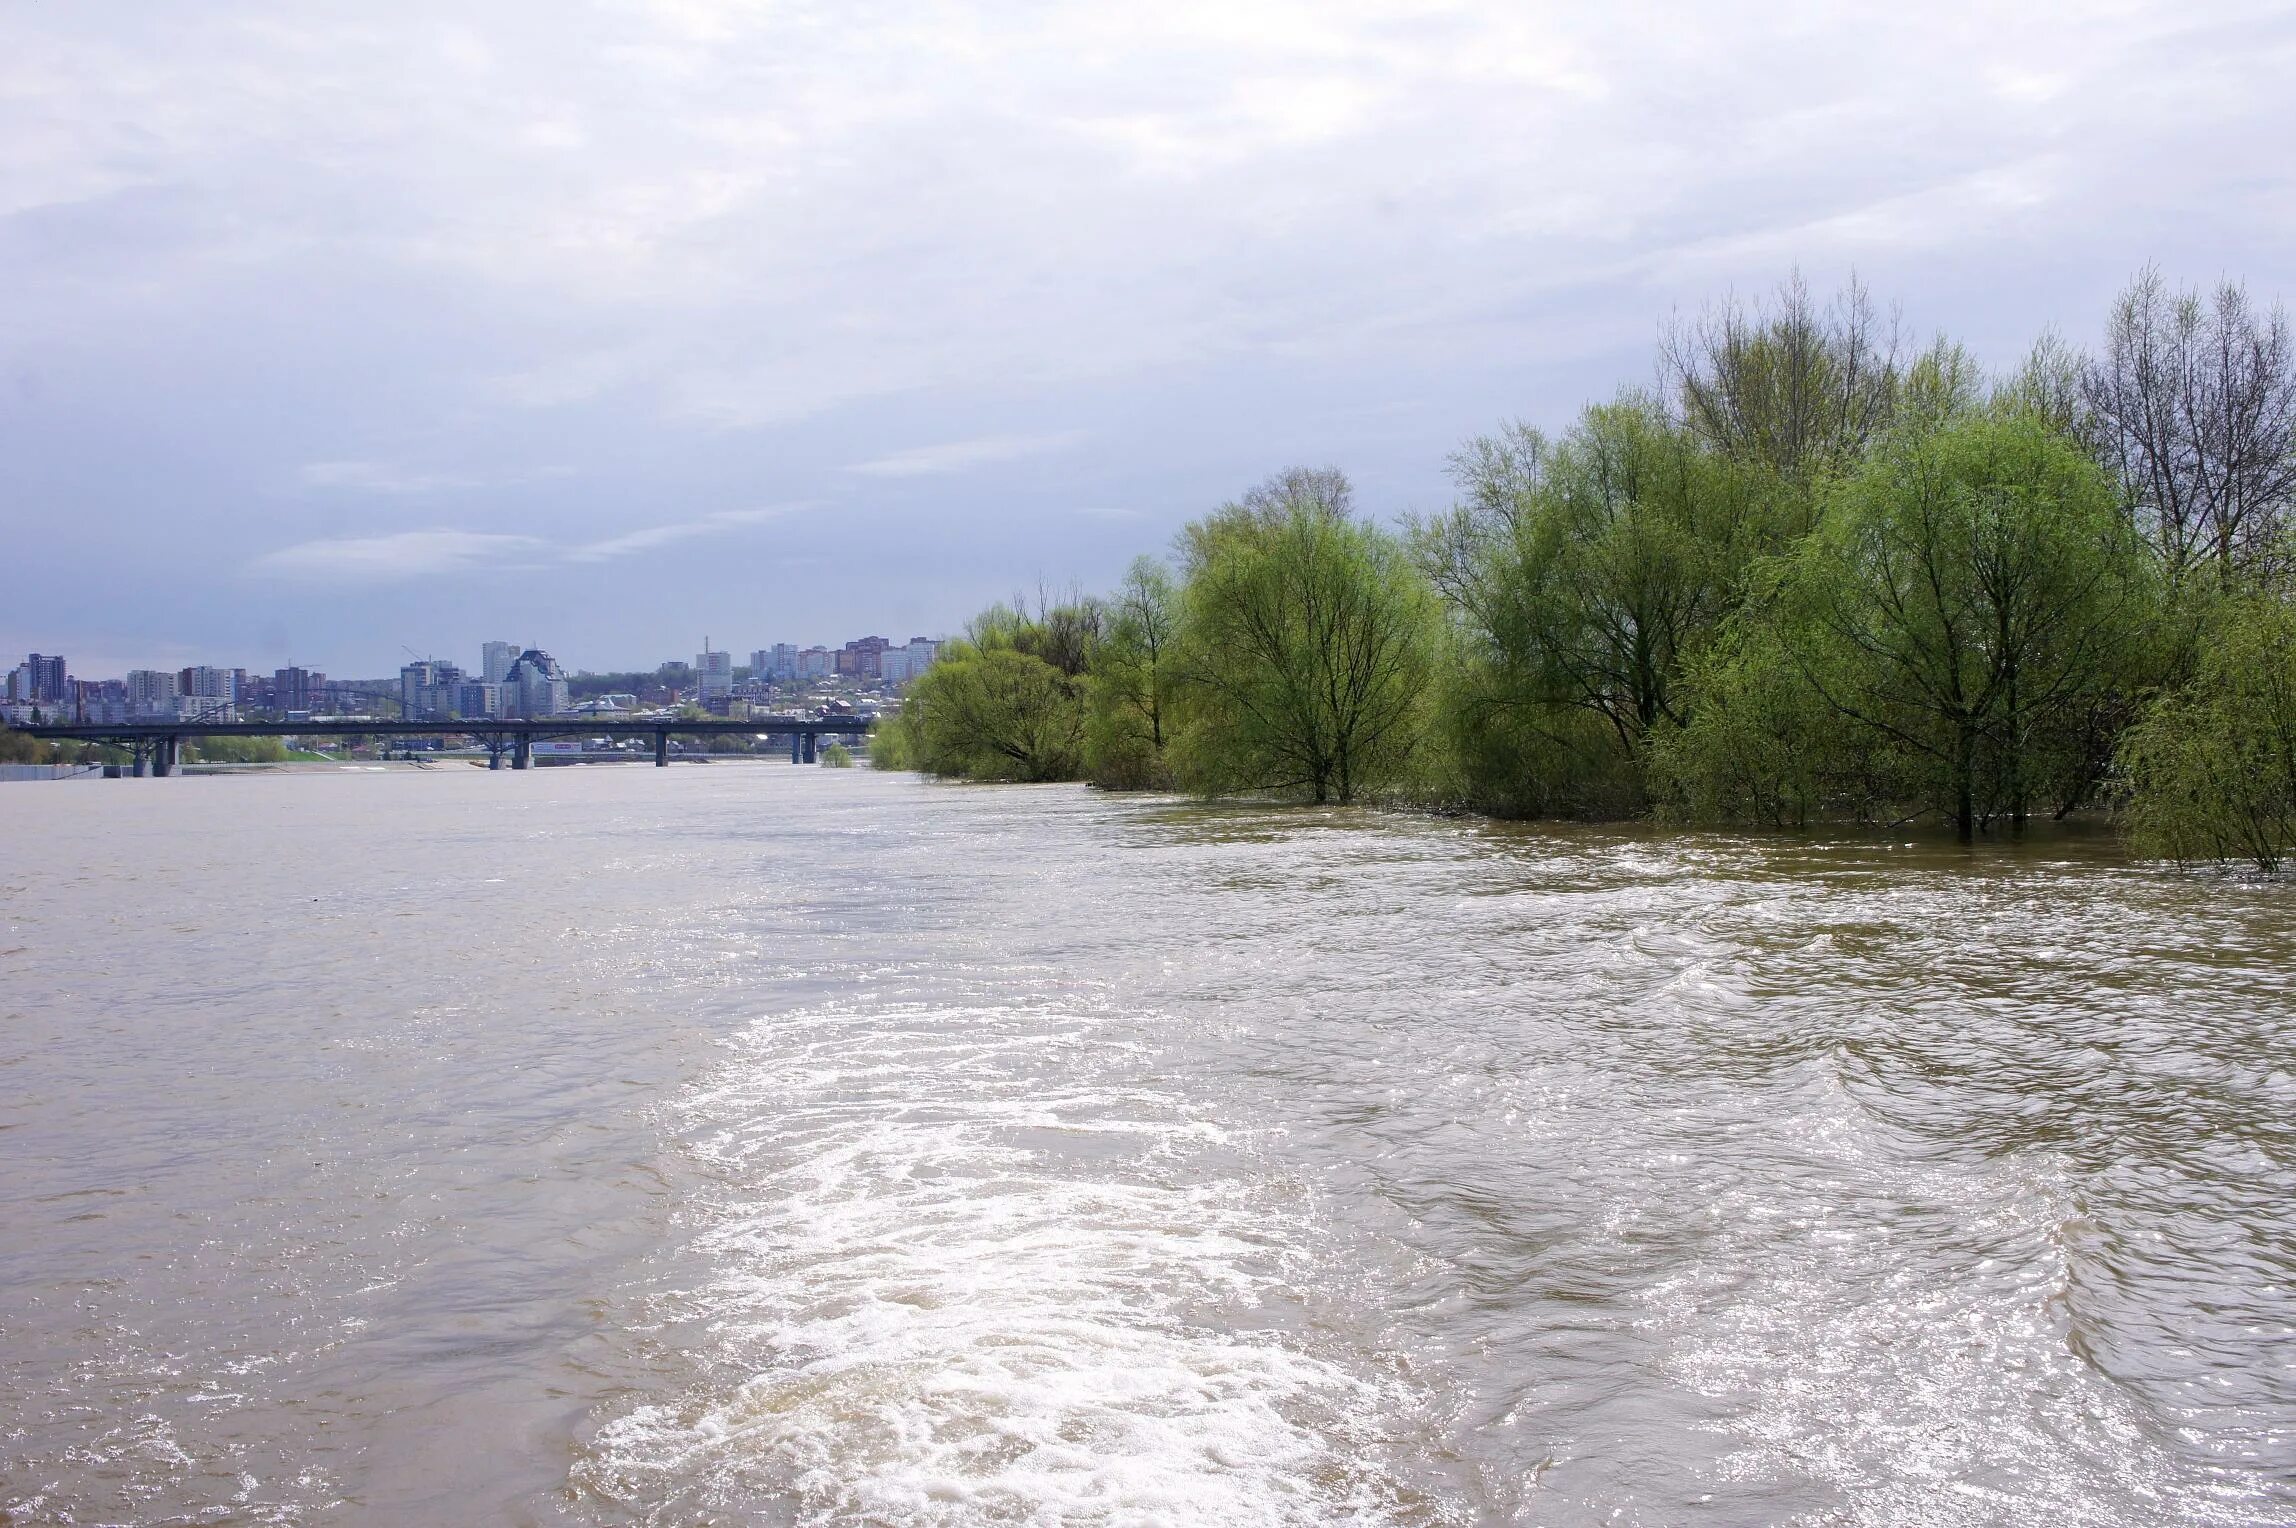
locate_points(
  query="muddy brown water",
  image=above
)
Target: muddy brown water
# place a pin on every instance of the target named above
(753, 1144)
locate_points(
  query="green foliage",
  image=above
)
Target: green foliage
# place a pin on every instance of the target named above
(2211, 769)
(889, 745)
(1815, 578)
(1943, 642)
(837, 756)
(16, 748)
(236, 750)
(993, 713)
(1762, 749)
(1005, 703)
(1790, 388)
(1129, 710)
(1583, 577)
(1307, 640)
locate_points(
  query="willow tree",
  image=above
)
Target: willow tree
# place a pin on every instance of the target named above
(1007, 702)
(1582, 576)
(2211, 770)
(1307, 643)
(1130, 714)
(992, 714)
(1971, 593)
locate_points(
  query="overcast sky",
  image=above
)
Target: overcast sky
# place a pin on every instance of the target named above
(328, 329)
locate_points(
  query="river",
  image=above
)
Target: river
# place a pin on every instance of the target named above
(756, 1144)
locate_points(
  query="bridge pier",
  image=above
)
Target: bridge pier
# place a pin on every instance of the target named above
(661, 748)
(522, 755)
(163, 756)
(142, 766)
(493, 753)
(796, 748)
(809, 741)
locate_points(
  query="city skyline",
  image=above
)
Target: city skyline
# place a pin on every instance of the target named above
(68, 668)
(628, 321)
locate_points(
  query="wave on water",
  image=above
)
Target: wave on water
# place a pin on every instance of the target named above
(987, 1265)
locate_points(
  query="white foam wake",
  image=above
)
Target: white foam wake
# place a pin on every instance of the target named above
(981, 1265)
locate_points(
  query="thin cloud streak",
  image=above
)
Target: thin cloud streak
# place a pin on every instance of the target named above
(390, 559)
(430, 553)
(653, 536)
(964, 455)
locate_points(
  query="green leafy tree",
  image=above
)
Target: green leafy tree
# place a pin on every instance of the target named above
(1971, 595)
(1307, 642)
(1132, 672)
(1582, 577)
(996, 714)
(2211, 768)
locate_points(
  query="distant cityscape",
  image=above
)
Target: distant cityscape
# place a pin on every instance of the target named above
(511, 680)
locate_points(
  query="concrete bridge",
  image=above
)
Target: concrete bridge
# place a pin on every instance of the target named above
(158, 746)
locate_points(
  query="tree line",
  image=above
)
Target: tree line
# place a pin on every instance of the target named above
(1814, 573)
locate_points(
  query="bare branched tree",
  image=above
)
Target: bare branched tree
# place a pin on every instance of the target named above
(2193, 407)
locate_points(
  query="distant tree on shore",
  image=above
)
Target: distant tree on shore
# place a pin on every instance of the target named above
(16, 748)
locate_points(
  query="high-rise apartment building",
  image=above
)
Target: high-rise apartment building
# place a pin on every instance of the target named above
(495, 661)
(535, 685)
(713, 674)
(151, 694)
(48, 682)
(860, 657)
(475, 697)
(429, 689)
(208, 683)
(297, 689)
(777, 663)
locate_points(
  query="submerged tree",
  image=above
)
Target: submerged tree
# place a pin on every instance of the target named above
(1130, 715)
(1971, 592)
(1581, 577)
(1007, 701)
(2211, 770)
(994, 714)
(1306, 642)
(2193, 406)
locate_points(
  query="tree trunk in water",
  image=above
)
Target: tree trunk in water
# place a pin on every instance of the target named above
(1965, 785)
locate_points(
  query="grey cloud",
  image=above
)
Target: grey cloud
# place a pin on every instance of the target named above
(689, 247)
